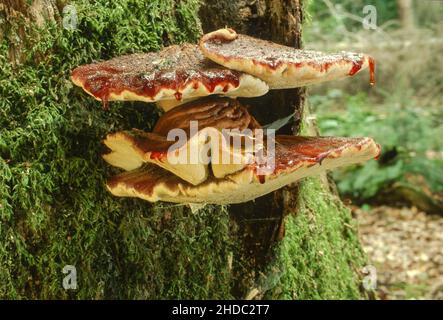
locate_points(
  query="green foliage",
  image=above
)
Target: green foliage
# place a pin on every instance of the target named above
(323, 21)
(409, 133)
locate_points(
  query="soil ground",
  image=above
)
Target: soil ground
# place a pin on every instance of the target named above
(406, 247)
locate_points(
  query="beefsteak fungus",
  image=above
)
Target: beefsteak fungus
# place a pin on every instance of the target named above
(281, 66)
(176, 73)
(295, 158)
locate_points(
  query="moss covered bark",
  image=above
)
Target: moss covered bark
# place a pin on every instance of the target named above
(320, 256)
(55, 211)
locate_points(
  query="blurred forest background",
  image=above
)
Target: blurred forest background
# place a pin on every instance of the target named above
(398, 199)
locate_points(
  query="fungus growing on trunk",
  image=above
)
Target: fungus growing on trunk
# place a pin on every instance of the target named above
(295, 158)
(176, 73)
(281, 66)
(203, 165)
(188, 158)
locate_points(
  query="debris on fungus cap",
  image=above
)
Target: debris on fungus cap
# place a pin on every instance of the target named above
(295, 158)
(281, 66)
(129, 150)
(171, 75)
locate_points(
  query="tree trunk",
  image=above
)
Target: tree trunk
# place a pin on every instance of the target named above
(55, 211)
(406, 13)
(261, 221)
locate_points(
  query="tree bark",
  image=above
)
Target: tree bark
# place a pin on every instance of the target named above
(406, 13)
(262, 221)
(38, 12)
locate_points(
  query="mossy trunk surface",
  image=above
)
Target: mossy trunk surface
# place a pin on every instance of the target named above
(55, 210)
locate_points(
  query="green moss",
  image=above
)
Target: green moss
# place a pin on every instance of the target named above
(54, 208)
(320, 256)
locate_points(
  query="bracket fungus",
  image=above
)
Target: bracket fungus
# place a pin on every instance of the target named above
(176, 73)
(198, 148)
(296, 158)
(281, 66)
(212, 150)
